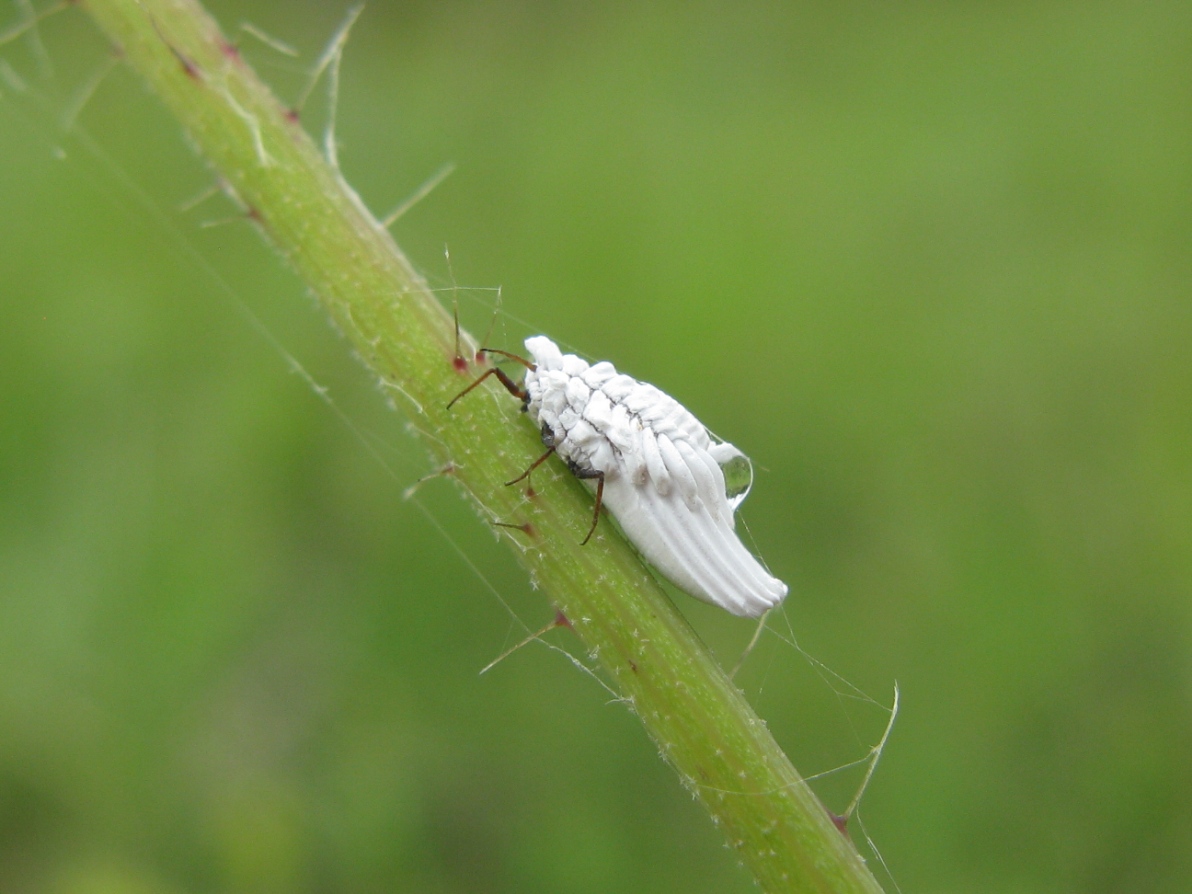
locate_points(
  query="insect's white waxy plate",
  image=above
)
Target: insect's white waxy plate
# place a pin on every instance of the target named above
(664, 475)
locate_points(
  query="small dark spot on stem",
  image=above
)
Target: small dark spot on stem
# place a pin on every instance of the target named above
(293, 115)
(230, 49)
(561, 619)
(192, 70)
(253, 214)
(188, 65)
(840, 822)
(632, 665)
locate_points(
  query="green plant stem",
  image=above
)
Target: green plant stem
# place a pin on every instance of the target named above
(703, 727)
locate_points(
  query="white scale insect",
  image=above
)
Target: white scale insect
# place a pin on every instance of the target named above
(671, 486)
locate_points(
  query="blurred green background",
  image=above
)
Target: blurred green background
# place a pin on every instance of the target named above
(929, 265)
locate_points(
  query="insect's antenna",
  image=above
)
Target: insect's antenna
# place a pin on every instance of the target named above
(488, 336)
(458, 360)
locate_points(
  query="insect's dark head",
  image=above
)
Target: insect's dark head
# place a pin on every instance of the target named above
(548, 436)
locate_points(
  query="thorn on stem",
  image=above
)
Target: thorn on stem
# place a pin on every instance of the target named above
(525, 527)
(188, 65)
(559, 620)
(409, 492)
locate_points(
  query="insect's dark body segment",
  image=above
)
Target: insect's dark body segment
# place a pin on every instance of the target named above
(656, 468)
(551, 443)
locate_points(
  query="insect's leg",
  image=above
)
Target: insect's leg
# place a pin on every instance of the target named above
(534, 465)
(511, 386)
(599, 476)
(522, 360)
